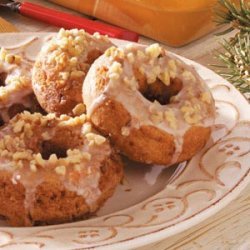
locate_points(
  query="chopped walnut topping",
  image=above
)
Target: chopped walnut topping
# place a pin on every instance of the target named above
(10, 59)
(73, 61)
(171, 119)
(18, 59)
(165, 77)
(125, 131)
(172, 68)
(153, 50)
(76, 74)
(72, 121)
(97, 35)
(86, 128)
(188, 76)
(39, 159)
(131, 57)
(95, 139)
(153, 74)
(86, 156)
(191, 113)
(116, 67)
(119, 53)
(22, 156)
(64, 76)
(75, 158)
(46, 135)
(140, 55)
(110, 51)
(49, 116)
(157, 117)
(192, 119)
(77, 168)
(52, 159)
(79, 109)
(18, 126)
(33, 167)
(61, 170)
(115, 71)
(154, 106)
(206, 97)
(22, 150)
(131, 83)
(68, 53)
(27, 129)
(3, 53)
(99, 139)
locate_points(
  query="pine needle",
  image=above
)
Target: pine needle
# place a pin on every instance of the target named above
(235, 57)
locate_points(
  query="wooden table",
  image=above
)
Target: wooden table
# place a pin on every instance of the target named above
(228, 229)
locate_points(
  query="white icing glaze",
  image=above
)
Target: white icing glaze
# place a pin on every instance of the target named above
(152, 176)
(137, 105)
(64, 43)
(83, 181)
(17, 84)
(14, 91)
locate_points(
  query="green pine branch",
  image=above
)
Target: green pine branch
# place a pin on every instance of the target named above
(238, 17)
(235, 58)
(235, 61)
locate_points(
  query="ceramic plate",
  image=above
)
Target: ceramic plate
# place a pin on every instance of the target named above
(154, 203)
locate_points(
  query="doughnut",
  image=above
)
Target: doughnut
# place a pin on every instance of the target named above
(61, 66)
(16, 92)
(155, 108)
(54, 169)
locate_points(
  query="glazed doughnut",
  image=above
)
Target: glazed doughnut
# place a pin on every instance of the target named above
(155, 108)
(55, 169)
(61, 67)
(16, 92)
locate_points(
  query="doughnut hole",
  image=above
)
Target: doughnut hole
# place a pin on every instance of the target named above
(59, 143)
(33, 107)
(3, 77)
(48, 148)
(158, 90)
(146, 144)
(15, 109)
(1, 121)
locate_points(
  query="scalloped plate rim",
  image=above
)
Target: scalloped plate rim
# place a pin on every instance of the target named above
(160, 234)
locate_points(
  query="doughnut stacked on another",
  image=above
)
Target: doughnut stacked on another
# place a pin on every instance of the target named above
(61, 67)
(16, 92)
(155, 108)
(54, 170)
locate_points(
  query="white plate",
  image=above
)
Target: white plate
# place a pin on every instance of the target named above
(154, 204)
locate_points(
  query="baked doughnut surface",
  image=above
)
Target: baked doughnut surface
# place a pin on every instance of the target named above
(16, 92)
(54, 170)
(155, 108)
(61, 67)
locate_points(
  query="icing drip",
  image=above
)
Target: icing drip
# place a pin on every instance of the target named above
(16, 85)
(77, 168)
(191, 106)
